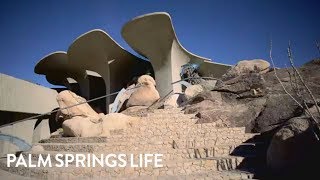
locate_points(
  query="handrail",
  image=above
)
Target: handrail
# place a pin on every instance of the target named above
(94, 99)
(49, 113)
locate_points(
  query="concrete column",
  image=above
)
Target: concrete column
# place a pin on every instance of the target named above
(84, 85)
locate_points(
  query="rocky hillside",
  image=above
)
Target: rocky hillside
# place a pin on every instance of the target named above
(250, 95)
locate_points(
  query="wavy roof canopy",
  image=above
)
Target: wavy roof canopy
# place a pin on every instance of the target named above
(57, 68)
(153, 36)
(98, 52)
(93, 53)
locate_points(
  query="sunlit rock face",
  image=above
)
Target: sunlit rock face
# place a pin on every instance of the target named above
(146, 93)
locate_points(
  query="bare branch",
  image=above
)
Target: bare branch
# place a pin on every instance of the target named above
(318, 46)
(275, 73)
(301, 79)
(297, 90)
(293, 83)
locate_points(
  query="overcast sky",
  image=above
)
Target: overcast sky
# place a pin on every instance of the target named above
(225, 31)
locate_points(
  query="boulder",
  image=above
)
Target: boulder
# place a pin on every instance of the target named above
(225, 110)
(207, 95)
(68, 98)
(146, 94)
(174, 100)
(193, 90)
(82, 127)
(248, 66)
(293, 147)
(117, 121)
(146, 79)
(256, 99)
(278, 108)
(202, 106)
(208, 85)
(245, 85)
(237, 114)
(237, 91)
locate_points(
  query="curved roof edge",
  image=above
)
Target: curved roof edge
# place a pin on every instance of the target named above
(222, 64)
(175, 34)
(96, 30)
(36, 70)
(107, 35)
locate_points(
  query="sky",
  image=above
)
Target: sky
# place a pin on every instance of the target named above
(225, 31)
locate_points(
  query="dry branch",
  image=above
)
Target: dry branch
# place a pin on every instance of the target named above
(301, 79)
(275, 73)
(313, 120)
(318, 46)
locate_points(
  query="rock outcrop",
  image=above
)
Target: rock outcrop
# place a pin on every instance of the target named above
(83, 121)
(253, 97)
(146, 94)
(255, 94)
(68, 98)
(80, 120)
(81, 127)
(175, 100)
(117, 121)
(193, 90)
(248, 66)
(293, 147)
(225, 111)
(278, 109)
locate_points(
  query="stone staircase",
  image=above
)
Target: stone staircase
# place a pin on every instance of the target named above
(190, 151)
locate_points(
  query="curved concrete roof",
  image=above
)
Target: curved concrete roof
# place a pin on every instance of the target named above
(98, 52)
(153, 36)
(57, 68)
(93, 53)
(156, 27)
(213, 69)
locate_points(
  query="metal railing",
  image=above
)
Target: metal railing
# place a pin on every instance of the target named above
(101, 97)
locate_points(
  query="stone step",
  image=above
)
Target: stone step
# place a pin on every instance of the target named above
(221, 175)
(77, 140)
(176, 168)
(133, 144)
(191, 140)
(168, 120)
(246, 150)
(207, 141)
(243, 150)
(186, 152)
(170, 117)
(182, 130)
(9, 176)
(164, 134)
